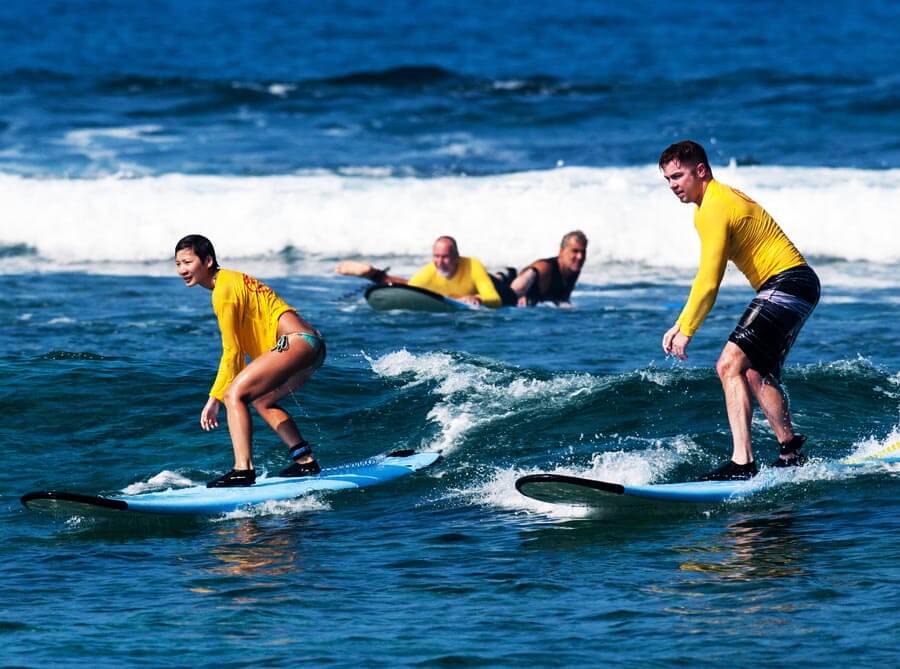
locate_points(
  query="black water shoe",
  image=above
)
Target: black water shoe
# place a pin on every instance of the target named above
(296, 469)
(790, 455)
(236, 478)
(732, 471)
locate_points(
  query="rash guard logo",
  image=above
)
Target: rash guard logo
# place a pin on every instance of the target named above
(744, 196)
(256, 286)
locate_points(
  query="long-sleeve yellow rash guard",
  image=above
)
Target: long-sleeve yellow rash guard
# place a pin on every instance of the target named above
(733, 227)
(471, 278)
(248, 312)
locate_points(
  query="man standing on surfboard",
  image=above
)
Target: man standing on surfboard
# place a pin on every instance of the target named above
(284, 349)
(734, 227)
(448, 274)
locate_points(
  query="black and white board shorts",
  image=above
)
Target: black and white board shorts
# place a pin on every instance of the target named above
(772, 321)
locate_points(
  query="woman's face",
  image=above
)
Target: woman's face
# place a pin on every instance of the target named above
(192, 269)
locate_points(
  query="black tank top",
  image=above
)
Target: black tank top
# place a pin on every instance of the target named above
(560, 287)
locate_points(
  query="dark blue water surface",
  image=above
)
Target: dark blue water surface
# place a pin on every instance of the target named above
(436, 87)
(105, 378)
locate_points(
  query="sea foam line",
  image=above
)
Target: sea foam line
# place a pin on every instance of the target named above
(628, 214)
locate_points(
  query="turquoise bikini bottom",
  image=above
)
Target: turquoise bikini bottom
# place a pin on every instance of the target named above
(315, 341)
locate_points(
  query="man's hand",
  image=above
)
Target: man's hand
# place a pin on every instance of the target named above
(353, 268)
(675, 342)
(474, 300)
(209, 417)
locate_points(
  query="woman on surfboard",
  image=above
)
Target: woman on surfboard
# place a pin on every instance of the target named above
(285, 351)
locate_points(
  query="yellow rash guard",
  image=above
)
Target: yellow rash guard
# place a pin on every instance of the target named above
(471, 278)
(248, 312)
(733, 227)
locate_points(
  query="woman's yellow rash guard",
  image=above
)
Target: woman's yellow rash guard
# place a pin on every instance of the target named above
(471, 278)
(248, 312)
(733, 227)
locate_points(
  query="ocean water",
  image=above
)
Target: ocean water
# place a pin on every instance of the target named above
(297, 134)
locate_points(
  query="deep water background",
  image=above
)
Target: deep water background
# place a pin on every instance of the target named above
(430, 88)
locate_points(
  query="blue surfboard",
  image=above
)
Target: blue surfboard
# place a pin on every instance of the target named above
(578, 491)
(200, 500)
(411, 298)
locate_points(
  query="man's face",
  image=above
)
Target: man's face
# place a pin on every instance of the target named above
(572, 256)
(686, 181)
(444, 258)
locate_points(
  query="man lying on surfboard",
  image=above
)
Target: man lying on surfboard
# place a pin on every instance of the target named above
(734, 227)
(285, 352)
(449, 274)
(546, 280)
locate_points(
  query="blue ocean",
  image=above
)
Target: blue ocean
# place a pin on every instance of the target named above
(297, 134)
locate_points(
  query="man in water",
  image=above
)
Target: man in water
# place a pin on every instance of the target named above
(734, 227)
(546, 280)
(449, 274)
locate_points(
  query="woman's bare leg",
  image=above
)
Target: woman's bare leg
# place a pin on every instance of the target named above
(280, 420)
(273, 374)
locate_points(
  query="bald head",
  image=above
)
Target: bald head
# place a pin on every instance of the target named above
(445, 256)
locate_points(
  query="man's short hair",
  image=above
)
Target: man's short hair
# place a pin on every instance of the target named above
(687, 153)
(447, 238)
(201, 247)
(577, 235)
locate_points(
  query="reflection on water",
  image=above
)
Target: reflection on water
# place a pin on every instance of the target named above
(246, 549)
(750, 548)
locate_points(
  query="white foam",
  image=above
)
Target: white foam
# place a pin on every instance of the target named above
(281, 90)
(500, 492)
(165, 480)
(872, 445)
(472, 396)
(288, 507)
(631, 467)
(628, 214)
(628, 467)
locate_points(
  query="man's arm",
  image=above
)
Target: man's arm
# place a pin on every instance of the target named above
(713, 258)
(367, 271)
(522, 284)
(487, 293)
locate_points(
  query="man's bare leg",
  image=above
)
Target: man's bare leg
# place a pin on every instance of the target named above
(732, 368)
(774, 405)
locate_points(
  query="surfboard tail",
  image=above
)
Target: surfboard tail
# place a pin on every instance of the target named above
(561, 489)
(65, 502)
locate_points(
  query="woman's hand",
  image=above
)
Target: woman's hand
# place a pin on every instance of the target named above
(209, 417)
